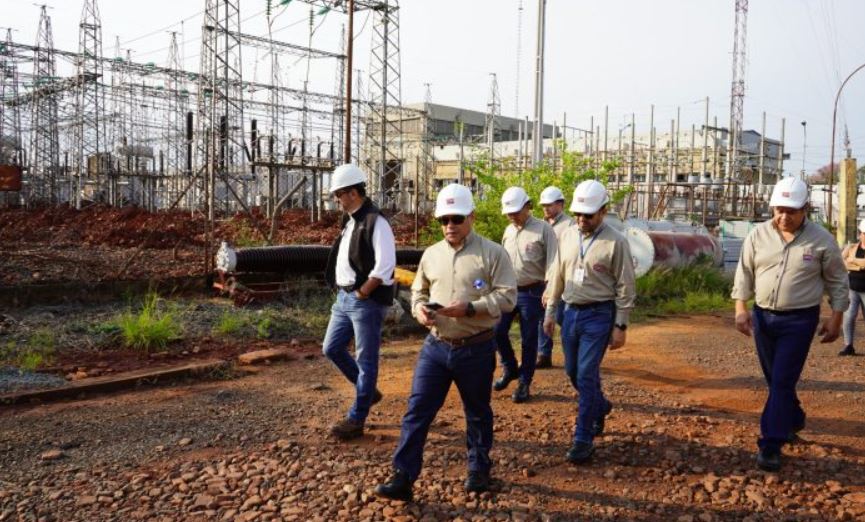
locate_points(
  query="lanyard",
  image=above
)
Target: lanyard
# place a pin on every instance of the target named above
(591, 241)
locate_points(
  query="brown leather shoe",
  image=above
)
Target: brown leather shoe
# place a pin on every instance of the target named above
(347, 429)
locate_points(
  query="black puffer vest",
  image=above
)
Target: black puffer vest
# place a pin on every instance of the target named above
(361, 256)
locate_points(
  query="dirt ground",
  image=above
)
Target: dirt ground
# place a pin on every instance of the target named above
(679, 444)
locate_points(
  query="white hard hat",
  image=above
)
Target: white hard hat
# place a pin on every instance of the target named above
(789, 192)
(513, 200)
(589, 197)
(454, 200)
(862, 226)
(551, 195)
(346, 175)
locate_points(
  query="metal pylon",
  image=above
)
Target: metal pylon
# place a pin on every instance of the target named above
(491, 125)
(44, 138)
(11, 148)
(89, 101)
(737, 90)
(173, 132)
(384, 156)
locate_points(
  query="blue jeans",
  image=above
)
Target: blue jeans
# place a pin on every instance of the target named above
(360, 319)
(857, 300)
(783, 341)
(471, 367)
(585, 336)
(545, 343)
(530, 311)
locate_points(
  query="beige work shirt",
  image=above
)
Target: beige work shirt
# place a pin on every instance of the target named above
(788, 276)
(531, 249)
(478, 271)
(607, 268)
(561, 223)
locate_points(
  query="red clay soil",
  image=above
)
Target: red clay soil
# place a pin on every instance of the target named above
(63, 244)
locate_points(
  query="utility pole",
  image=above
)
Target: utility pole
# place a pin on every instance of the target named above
(538, 129)
(349, 56)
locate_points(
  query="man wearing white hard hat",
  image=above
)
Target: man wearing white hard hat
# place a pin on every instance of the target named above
(786, 265)
(463, 285)
(531, 246)
(593, 274)
(360, 267)
(553, 202)
(854, 261)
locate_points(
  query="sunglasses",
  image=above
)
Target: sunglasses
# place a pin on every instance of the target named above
(456, 220)
(587, 216)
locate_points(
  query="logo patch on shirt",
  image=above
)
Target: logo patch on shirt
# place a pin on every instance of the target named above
(807, 256)
(599, 268)
(478, 284)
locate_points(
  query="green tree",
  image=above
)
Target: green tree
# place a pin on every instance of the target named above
(494, 179)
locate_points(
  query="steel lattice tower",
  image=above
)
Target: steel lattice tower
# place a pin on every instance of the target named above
(44, 137)
(89, 101)
(10, 116)
(384, 127)
(737, 91)
(494, 107)
(175, 112)
(220, 102)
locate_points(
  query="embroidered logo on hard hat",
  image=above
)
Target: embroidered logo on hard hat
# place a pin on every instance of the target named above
(478, 284)
(449, 201)
(581, 200)
(785, 194)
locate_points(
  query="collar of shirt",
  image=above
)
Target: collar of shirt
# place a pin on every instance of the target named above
(796, 234)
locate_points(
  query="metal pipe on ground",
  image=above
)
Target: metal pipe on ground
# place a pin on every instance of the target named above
(297, 259)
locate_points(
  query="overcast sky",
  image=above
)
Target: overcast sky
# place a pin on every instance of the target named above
(625, 54)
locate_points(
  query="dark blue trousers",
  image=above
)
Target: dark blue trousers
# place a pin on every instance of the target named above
(439, 364)
(783, 340)
(545, 343)
(531, 311)
(585, 336)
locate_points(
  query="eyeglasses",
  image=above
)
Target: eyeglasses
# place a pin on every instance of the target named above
(456, 220)
(340, 193)
(587, 216)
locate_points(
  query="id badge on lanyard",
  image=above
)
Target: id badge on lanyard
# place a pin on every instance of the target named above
(579, 270)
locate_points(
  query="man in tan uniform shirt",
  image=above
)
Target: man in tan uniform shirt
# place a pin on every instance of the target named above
(531, 246)
(786, 265)
(464, 283)
(553, 202)
(593, 274)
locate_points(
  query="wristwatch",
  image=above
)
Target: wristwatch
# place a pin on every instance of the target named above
(622, 327)
(470, 309)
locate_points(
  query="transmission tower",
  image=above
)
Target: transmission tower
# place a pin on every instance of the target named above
(519, 59)
(385, 154)
(173, 131)
(220, 102)
(89, 100)
(494, 106)
(737, 91)
(10, 116)
(44, 137)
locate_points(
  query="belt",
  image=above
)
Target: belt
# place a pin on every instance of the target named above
(584, 306)
(810, 309)
(523, 288)
(472, 339)
(346, 288)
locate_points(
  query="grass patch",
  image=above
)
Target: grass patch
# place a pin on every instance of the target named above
(150, 328)
(36, 352)
(696, 288)
(230, 323)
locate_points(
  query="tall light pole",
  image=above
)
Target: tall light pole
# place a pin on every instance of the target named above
(349, 54)
(834, 120)
(538, 129)
(804, 146)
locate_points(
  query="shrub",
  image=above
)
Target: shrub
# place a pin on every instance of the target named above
(230, 323)
(699, 287)
(149, 328)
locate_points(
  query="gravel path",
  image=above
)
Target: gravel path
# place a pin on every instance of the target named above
(678, 447)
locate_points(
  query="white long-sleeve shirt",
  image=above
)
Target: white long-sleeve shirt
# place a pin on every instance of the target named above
(384, 246)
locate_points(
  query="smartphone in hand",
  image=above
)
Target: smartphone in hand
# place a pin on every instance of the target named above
(433, 306)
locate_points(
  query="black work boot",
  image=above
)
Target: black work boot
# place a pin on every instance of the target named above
(503, 381)
(598, 428)
(398, 487)
(521, 394)
(477, 482)
(580, 452)
(347, 429)
(848, 350)
(769, 460)
(544, 361)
